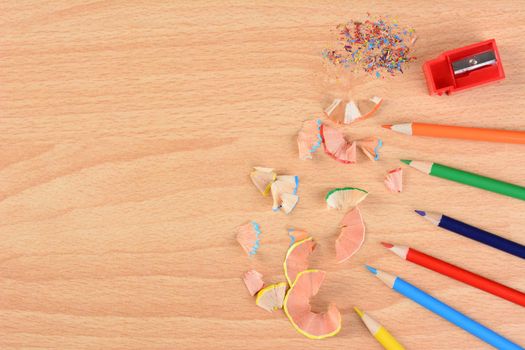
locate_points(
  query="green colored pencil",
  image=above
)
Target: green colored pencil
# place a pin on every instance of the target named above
(467, 178)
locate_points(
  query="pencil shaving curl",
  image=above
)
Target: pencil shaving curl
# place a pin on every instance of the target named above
(299, 311)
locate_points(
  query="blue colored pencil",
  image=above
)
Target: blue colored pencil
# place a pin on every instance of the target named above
(426, 300)
(474, 233)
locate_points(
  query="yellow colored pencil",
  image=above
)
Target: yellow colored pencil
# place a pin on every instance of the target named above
(379, 332)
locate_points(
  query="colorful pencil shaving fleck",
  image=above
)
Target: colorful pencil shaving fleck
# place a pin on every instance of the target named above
(248, 237)
(374, 46)
(282, 187)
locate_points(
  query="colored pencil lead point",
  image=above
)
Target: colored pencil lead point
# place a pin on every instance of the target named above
(371, 269)
(420, 212)
(359, 312)
(387, 245)
(406, 161)
(387, 126)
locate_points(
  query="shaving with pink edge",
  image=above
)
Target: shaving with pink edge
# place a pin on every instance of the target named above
(394, 180)
(336, 145)
(253, 281)
(351, 237)
(309, 138)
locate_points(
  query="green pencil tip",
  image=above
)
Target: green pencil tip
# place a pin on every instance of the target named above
(406, 161)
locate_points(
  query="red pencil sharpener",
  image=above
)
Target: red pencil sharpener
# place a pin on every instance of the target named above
(464, 68)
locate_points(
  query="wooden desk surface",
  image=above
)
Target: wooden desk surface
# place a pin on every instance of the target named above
(127, 131)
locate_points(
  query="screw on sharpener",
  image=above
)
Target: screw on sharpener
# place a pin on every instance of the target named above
(474, 62)
(464, 68)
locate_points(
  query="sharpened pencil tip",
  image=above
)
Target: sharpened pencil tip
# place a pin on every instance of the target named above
(359, 312)
(387, 126)
(421, 212)
(406, 161)
(371, 269)
(387, 245)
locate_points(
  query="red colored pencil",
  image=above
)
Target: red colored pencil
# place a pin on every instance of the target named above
(457, 273)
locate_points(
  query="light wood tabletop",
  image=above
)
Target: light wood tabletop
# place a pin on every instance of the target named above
(127, 132)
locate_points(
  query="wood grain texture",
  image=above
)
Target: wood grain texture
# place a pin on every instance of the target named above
(128, 128)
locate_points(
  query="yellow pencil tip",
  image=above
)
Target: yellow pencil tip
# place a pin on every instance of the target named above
(359, 312)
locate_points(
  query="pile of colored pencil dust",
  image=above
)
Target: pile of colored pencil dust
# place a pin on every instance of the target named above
(373, 46)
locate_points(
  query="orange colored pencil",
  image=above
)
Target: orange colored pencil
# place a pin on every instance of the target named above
(459, 132)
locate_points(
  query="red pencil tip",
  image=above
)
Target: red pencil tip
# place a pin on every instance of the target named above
(387, 126)
(387, 245)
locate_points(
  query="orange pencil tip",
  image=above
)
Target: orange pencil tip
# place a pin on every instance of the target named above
(387, 245)
(387, 126)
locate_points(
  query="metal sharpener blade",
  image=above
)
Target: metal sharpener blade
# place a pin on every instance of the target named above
(474, 62)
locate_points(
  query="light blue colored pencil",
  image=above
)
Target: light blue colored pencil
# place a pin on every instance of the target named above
(426, 300)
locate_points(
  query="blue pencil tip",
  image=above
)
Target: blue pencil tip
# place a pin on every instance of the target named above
(371, 269)
(420, 212)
